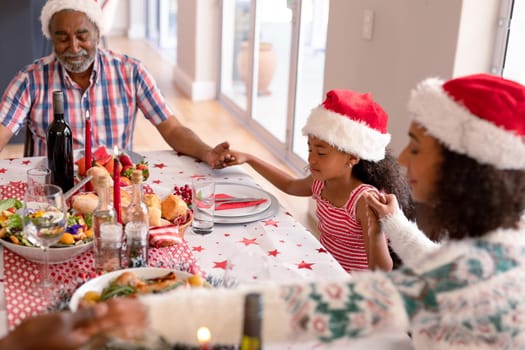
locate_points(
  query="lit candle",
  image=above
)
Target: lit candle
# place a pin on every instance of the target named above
(204, 337)
(87, 151)
(116, 183)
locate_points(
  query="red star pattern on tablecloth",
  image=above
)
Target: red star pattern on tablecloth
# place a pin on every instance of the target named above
(26, 162)
(226, 235)
(159, 165)
(304, 265)
(156, 182)
(271, 222)
(3, 170)
(321, 250)
(273, 252)
(220, 264)
(198, 248)
(248, 241)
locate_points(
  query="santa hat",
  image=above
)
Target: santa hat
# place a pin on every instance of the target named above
(90, 7)
(481, 116)
(351, 122)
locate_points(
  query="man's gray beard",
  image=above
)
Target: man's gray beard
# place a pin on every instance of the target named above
(78, 67)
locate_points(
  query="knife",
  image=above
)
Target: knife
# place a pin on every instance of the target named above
(77, 187)
(237, 200)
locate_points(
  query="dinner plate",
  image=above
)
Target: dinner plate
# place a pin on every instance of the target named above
(270, 211)
(99, 283)
(242, 191)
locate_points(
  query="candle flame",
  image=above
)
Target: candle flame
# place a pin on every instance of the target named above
(115, 151)
(203, 335)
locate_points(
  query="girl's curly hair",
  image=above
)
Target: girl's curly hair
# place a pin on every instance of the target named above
(473, 199)
(386, 175)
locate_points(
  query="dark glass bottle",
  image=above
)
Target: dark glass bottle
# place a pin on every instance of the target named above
(251, 333)
(60, 146)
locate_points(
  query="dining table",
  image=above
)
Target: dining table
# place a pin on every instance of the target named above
(269, 245)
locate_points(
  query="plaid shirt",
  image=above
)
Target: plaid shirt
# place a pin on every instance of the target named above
(119, 86)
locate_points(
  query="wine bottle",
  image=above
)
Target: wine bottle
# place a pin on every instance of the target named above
(251, 334)
(136, 219)
(60, 146)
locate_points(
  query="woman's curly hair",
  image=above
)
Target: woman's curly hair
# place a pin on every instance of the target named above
(386, 175)
(473, 199)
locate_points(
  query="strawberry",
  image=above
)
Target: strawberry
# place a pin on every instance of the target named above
(125, 160)
(145, 169)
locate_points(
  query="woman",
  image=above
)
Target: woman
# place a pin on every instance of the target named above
(466, 158)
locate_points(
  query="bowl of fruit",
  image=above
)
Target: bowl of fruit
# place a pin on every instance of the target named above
(103, 163)
(77, 239)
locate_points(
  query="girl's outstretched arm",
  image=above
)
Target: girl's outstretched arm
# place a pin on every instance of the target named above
(279, 178)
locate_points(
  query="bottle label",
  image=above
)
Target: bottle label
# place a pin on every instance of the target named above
(250, 343)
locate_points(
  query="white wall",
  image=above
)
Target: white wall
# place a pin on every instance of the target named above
(412, 40)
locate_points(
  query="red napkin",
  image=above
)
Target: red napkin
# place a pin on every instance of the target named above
(235, 205)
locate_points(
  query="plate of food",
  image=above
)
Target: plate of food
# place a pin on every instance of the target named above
(77, 239)
(132, 282)
(103, 162)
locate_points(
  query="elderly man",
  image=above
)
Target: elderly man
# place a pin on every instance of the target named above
(110, 86)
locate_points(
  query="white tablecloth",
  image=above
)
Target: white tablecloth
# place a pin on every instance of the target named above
(277, 248)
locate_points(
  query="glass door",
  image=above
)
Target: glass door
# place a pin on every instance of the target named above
(272, 68)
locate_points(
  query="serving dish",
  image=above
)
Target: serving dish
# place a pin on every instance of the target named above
(55, 255)
(101, 282)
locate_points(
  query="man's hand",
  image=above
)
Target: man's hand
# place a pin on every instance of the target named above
(219, 156)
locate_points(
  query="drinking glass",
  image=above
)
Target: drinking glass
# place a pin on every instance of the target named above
(37, 176)
(45, 221)
(203, 205)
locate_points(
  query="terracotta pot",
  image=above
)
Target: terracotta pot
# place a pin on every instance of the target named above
(267, 66)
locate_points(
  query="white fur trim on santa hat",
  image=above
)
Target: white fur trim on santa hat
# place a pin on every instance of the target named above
(89, 7)
(461, 131)
(347, 135)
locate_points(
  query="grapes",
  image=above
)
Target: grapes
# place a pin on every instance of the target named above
(184, 192)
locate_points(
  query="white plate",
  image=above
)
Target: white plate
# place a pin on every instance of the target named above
(101, 282)
(271, 211)
(241, 190)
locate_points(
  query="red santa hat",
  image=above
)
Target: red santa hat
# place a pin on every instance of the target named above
(481, 116)
(89, 7)
(351, 122)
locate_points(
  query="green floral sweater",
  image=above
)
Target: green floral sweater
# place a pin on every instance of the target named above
(461, 295)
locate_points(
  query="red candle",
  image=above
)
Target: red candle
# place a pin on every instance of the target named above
(116, 184)
(87, 151)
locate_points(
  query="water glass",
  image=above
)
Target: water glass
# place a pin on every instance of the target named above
(203, 205)
(37, 177)
(108, 246)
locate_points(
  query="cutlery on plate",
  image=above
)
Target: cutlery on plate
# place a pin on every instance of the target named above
(237, 200)
(77, 187)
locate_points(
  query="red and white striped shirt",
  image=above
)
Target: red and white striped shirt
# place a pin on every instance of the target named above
(119, 87)
(341, 233)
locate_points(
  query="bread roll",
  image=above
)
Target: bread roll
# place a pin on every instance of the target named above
(155, 218)
(85, 203)
(152, 200)
(173, 206)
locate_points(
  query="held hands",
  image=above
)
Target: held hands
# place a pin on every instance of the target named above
(381, 204)
(219, 157)
(124, 318)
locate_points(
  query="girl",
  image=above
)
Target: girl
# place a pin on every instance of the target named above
(347, 137)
